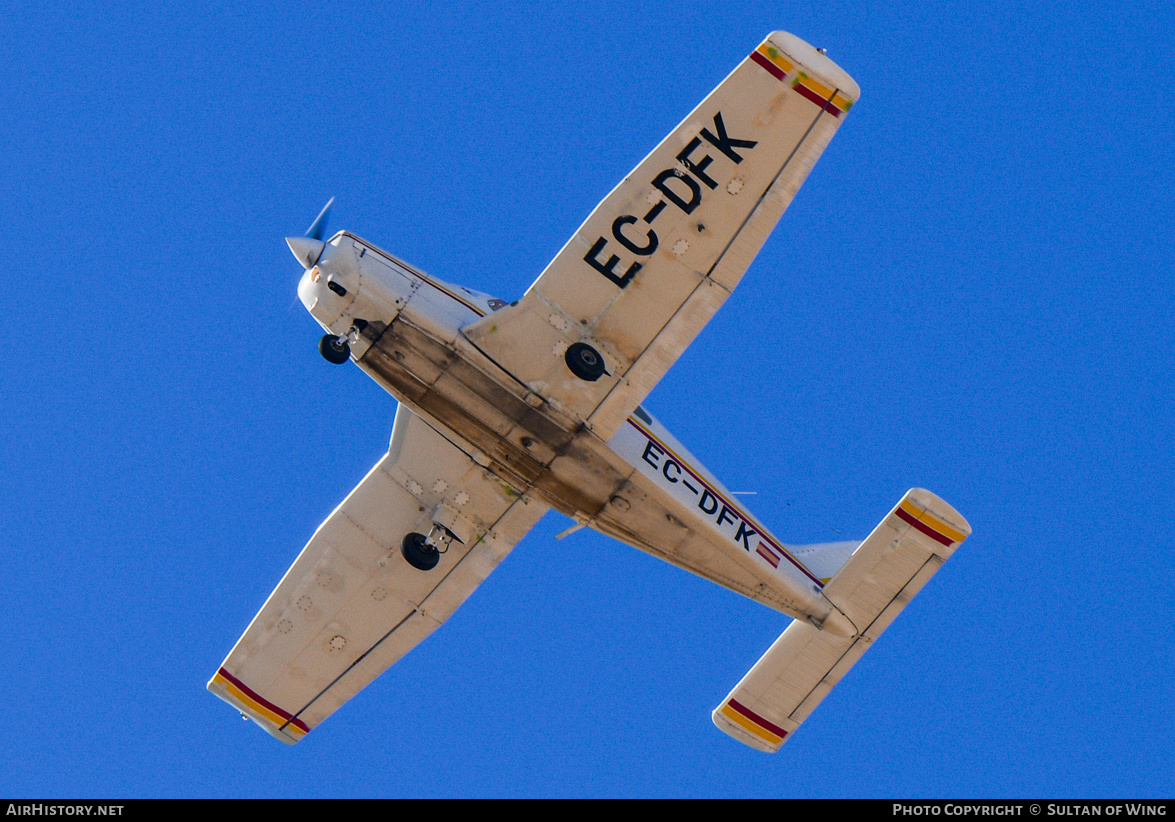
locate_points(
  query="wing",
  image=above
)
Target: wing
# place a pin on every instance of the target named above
(351, 605)
(878, 581)
(662, 252)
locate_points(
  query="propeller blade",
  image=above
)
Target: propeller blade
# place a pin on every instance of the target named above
(318, 227)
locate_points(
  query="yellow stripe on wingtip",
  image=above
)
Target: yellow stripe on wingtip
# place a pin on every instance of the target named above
(253, 704)
(775, 56)
(839, 100)
(931, 520)
(747, 725)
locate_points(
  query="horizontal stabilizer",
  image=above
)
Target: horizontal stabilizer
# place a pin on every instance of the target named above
(882, 576)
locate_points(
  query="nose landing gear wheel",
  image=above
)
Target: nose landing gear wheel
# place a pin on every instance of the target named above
(419, 553)
(334, 349)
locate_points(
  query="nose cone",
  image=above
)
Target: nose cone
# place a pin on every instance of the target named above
(306, 250)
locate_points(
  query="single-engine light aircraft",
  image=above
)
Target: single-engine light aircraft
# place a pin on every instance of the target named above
(508, 410)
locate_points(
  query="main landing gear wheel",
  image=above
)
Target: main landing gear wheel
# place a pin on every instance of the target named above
(419, 553)
(334, 349)
(585, 362)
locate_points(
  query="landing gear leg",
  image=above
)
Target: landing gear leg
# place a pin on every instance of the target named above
(425, 552)
(334, 349)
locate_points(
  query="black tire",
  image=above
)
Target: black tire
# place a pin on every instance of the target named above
(418, 553)
(334, 349)
(585, 362)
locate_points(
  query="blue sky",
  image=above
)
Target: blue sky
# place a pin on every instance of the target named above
(972, 293)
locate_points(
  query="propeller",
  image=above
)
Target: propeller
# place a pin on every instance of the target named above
(309, 248)
(318, 227)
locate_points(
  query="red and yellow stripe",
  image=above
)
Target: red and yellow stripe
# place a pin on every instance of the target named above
(752, 723)
(772, 59)
(831, 100)
(778, 66)
(768, 555)
(928, 524)
(284, 720)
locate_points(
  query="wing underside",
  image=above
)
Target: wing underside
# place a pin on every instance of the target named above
(661, 253)
(351, 605)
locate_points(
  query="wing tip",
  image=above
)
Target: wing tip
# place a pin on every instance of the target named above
(227, 690)
(939, 508)
(816, 62)
(747, 727)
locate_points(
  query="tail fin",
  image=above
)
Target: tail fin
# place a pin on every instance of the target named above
(870, 590)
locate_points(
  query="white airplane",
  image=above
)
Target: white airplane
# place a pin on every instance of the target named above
(510, 409)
